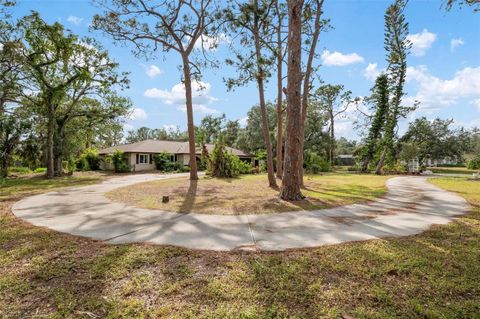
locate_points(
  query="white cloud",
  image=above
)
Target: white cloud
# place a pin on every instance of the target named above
(138, 114)
(176, 96)
(198, 108)
(434, 92)
(212, 43)
(75, 20)
(153, 70)
(339, 59)
(371, 71)
(421, 42)
(455, 43)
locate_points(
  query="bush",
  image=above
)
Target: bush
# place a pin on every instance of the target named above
(164, 164)
(316, 164)
(225, 164)
(19, 170)
(88, 160)
(120, 163)
(40, 170)
(474, 163)
(398, 168)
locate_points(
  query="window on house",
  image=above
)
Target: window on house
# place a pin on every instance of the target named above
(144, 159)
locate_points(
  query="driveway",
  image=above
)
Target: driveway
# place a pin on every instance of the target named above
(411, 206)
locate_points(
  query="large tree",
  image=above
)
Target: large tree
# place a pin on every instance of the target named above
(168, 25)
(313, 25)
(64, 76)
(379, 100)
(251, 21)
(435, 140)
(334, 100)
(397, 46)
(291, 183)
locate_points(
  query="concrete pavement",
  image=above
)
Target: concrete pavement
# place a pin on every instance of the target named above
(411, 206)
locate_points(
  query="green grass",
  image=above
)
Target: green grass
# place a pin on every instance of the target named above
(15, 187)
(452, 170)
(432, 275)
(250, 194)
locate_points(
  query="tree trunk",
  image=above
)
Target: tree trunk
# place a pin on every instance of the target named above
(58, 149)
(279, 155)
(263, 108)
(50, 133)
(365, 163)
(306, 86)
(191, 127)
(381, 161)
(290, 184)
(332, 139)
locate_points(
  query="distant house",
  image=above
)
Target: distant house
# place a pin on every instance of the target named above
(345, 160)
(140, 155)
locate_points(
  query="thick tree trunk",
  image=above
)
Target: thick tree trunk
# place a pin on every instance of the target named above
(190, 126)
(306, 86)
(290, 184)
(263, 109)
(50, 133)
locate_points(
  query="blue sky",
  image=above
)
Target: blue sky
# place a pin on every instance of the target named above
(443, 74)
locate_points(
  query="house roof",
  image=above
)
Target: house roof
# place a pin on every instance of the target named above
(171, 147)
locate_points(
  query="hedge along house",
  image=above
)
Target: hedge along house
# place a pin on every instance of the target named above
(140, 155)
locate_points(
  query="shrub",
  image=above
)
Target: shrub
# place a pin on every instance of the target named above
(398, 168)
(40, 170)
(164, 164)
(315, 164)
(225, 164)
(82, 164)
(88, 160)
(19, 170)
(120, 163)
(474, 163)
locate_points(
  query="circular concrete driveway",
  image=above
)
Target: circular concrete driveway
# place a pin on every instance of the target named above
(410, 207)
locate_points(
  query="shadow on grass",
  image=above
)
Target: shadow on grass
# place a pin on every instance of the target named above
(190, 196)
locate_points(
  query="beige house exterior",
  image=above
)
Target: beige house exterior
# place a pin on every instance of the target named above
(140, 155)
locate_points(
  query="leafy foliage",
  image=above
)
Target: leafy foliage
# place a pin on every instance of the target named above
(164, 164)
(315, 164)
(120, 162)
(88, 160)
(474, 163)
(223, 163)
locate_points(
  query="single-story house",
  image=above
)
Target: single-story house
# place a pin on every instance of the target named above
(140, 155)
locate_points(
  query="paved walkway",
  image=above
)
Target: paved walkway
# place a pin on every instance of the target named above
(410, 207)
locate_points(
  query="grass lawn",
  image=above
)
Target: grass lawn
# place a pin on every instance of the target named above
(250, 194)
(451, 170)
(29, 185)
(432, 275)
